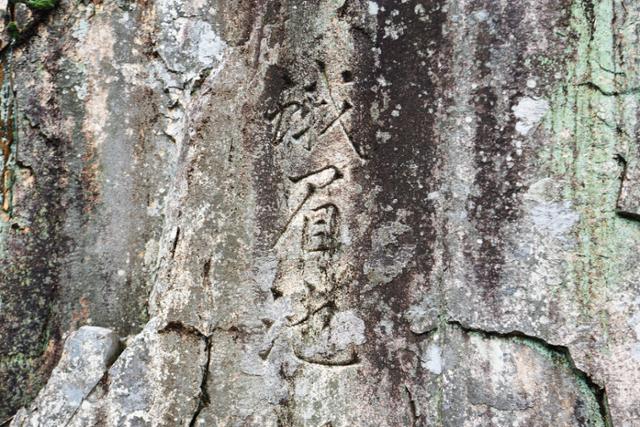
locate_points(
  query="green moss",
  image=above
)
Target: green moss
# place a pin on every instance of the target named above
(584, 120)
(13, 30)
(37, 5)
(41, 4)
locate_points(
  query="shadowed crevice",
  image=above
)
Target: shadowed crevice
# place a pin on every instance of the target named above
(599, 392)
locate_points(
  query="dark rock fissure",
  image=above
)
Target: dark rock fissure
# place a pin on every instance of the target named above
(614, 93)
(203, 399)
(598, 391)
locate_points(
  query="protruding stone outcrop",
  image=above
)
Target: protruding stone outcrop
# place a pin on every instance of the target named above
(87, 354)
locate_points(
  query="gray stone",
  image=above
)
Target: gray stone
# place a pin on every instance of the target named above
(86, 356)
(325, 213)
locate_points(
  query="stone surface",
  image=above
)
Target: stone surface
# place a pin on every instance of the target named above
(328, 213)
(155, 381)
(86, 356)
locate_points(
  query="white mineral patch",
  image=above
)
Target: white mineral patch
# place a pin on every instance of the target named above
(185, 44)
(481, 15)
(346, 328)
(373, 8)
(555, 218)
(635, 351)
(432, 359)
(210, 46)
(80, 30)
(529, 112)
(382, 137)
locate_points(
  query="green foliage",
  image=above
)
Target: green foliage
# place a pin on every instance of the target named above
(41, 4)
(37, 4)
(13, 30)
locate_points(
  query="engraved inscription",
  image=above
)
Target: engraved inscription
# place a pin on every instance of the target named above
(320, 228)
(306, 113)
(310, 129)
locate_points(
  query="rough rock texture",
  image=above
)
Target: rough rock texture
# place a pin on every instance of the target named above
(87, 354)
(324, 213)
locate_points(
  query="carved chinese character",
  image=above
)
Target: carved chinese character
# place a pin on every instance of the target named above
(320, 229)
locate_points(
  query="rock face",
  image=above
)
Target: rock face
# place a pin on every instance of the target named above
(87, 354)
(327, 213)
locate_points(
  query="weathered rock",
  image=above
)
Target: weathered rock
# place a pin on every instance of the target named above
(508, 380)
(340, 212)
(155, 381)
(86, 356)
